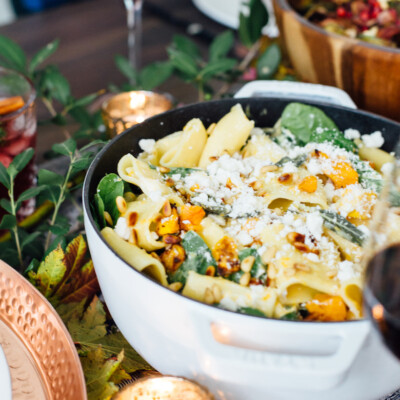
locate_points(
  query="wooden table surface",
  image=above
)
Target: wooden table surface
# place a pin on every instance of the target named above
(92, 32)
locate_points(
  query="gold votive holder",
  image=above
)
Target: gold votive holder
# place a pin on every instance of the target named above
(163, 388)
(124, 110)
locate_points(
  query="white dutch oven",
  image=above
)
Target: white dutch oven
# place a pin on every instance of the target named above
(238, 357)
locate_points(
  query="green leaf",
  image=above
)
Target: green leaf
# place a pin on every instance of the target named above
(110, 187)
(155, 74)
(50, 272)
(183, 62)
(217, 67)
(342, 227)
(53, 85)
(297, 161)
(221, 45)
(61, 226)
(84, 101)
(251, 311)
(11, 52)
(198, 257)
(126, 68)
(29, 193)
(186, 46)
(6, 205)
(4, 177)
(43, 54)
(182, 171)
(82, 163)
(252, 22)
(8, 222)
(292, 316)
(20, 162)
(99, 211)
(302, 120)
(46, 177)
(258, 270)
(335, 137)
(30, 238)
(66, 148)
(269, 62)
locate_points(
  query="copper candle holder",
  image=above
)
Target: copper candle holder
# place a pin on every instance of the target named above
(164, 388)
(124, 110)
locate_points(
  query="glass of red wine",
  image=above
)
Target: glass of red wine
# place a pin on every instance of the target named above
(382, 258)
(17, 131)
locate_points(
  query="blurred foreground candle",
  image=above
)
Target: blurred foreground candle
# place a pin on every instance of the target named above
(124, 110)
(163, 388)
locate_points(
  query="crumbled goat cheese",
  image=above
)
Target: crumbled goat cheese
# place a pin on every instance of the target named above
(346, 271)
(228, 304)
(375, 139)
(352, 134)
(147, 145)
(244, 238)
(121, 228)
(314, 223)
(387, 168)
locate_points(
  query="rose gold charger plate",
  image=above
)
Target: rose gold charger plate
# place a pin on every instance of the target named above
(40, 353)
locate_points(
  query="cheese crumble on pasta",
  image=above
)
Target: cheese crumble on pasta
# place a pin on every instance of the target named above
(267, 222)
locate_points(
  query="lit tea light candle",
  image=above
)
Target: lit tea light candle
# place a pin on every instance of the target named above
(124, 110)
(163, 388)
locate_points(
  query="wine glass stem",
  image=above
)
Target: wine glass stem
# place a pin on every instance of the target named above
(134, 23)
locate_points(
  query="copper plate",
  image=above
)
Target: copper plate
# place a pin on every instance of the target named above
(40, 353)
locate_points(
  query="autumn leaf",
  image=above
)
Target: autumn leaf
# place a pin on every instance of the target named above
(98, 374)
(49, 273)
(91, 326)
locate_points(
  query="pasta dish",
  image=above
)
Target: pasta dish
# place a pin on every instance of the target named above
(262, 221)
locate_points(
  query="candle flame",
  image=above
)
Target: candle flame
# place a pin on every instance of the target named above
(136, 100)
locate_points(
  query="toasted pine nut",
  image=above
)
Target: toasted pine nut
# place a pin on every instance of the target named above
(331, 274)
(247, 263)
(132, 218)
(255, 185)
(302, 267)
(245, 279)
(176, 286)
(133, 237)
(216, 290)
(164, 170)
(167, 210)
(268, 168)
(268, 255)
(210, 271)
(293, 237)
(108, 218)
(285, 179)
(289, 272)
(129, 197)
(209, 296)
(121, 204)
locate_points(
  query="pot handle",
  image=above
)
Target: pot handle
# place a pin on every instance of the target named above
(296, 90)
(289, 367)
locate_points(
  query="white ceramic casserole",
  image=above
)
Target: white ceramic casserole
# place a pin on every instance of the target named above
(239, 357)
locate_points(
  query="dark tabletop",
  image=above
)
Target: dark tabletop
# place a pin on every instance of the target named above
(92, 32)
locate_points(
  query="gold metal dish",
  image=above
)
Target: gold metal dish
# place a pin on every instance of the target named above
(40, 353)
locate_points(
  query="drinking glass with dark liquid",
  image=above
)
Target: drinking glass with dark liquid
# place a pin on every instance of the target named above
(17, 131)
(382, 279)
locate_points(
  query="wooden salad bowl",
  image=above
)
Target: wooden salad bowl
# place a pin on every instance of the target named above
(369, 73)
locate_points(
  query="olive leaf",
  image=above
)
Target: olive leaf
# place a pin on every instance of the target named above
(126, 68)
(186, 46)
(269, 61)
(252, 21)
(183, 62)
(155, 74)
(43, 54)
(221, 45)
(12, 55)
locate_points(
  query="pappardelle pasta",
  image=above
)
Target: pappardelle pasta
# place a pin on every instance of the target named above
(267, 222)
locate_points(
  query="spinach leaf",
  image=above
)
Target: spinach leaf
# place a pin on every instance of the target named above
(110, 187)
(335, 137)
(258, 270)
(98, 211)
(303, 120)
(342, 227)
(297, 161)
(181, 171)
(251, 311)
(198, 257)
(292, 316)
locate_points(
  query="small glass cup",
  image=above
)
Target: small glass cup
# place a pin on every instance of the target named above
(17, 131)
(124, 110)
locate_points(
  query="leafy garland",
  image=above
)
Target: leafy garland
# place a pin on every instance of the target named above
(66, 275)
